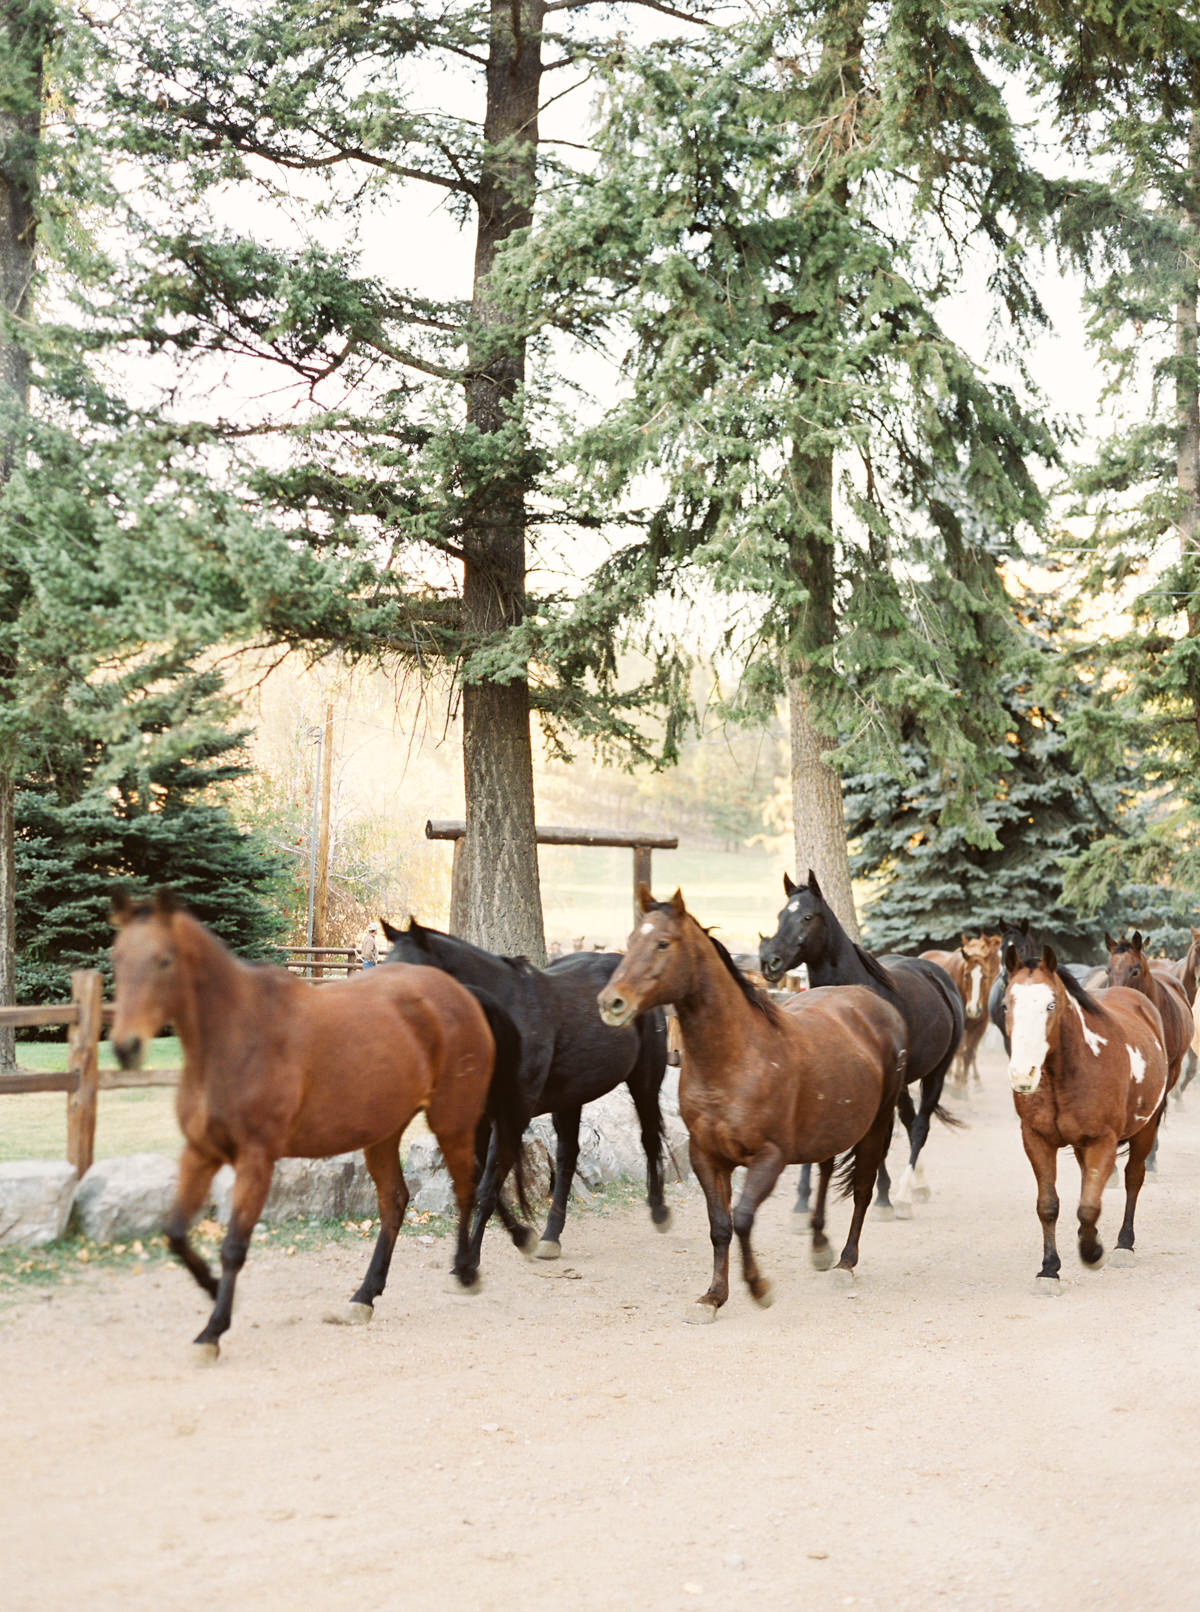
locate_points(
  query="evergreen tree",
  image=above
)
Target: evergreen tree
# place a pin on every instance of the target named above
(778, 216)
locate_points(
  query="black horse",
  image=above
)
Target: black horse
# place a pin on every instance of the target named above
(569, 1056)
(925, 996)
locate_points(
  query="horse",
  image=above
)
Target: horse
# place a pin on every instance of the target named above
(1020, 936)
(1129, 966)
(1087, 1074)
(1187, 971)
(763, 1085)
(808, 932)
(568, 1058)
(274, 1067)
(973, 967)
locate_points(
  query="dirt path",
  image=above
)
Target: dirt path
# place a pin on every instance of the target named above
(943, 1438)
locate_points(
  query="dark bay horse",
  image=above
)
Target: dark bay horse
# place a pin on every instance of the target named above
(973, 968)
(1187, 971)
(274, 1067)
(568, 1058)
(808, 932)
(762, 1085)
(1087, 1073)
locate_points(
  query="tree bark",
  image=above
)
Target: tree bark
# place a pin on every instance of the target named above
(23, 43)
(1187, 408)
(499, 897)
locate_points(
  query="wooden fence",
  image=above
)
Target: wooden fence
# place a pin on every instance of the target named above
(318, 962)
(83, 1080)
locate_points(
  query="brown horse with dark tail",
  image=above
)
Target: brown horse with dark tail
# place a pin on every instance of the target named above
(763, 1086)
(277, 1068)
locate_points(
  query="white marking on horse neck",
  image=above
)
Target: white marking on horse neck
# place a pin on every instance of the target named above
(1031, 1006)
(1094, 1041)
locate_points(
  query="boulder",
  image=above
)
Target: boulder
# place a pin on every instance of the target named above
(35, 1201)
(338, 1188)
(125, 1197)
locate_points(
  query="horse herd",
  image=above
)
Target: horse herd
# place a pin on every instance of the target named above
(275, 1067)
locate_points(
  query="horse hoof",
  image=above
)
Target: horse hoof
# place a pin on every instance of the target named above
(1093, 1264)
(455, 1284)
(843, 1278)
(548, 1250)
(765, 1295)
(206, 1354)
(822, 1258)
(1122, 1256)
(884, 1211)
(903, 1211)
(1049, 1287)
(354, 1315)
(921, 1194)
(700, 1313)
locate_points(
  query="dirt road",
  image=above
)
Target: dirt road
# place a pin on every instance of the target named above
(943, 1438)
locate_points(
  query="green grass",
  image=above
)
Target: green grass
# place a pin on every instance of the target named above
(33, 1125)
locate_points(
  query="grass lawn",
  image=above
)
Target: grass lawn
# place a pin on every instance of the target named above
(33, 1125)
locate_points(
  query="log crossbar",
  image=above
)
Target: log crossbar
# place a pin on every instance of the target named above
(640, 843)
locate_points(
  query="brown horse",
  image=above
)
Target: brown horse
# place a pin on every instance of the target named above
(1087, 1073)
(974, 968)
(762, 1085)
(1187, 972)
(274, 1067)
(1129, 966)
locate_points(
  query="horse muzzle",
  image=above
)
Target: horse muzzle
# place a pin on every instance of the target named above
(615, 1010)
(771, 968)
(1024, 1085)
(129, 1050)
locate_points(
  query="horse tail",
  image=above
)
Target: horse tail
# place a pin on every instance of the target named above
(947, 1118)
(505, 1106)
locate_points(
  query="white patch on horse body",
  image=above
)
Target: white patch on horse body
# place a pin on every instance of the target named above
(1030, 1043)
(1137, 1064)
(1094, 1041)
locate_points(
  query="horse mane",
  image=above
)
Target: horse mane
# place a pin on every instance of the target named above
(416, 930)
(875, 969)
(759, 1000)
(1073, 989)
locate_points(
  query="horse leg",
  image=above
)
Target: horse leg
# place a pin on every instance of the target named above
(903, 1200)
(1044, 1159)
(566, 1157)
(391, 1191)
(1097, 1165)
(1140, 1145)
(457, 1143)
(764, 1170)
(803, 1191)
(251, 1183)
(821, 1253)
(488, 1200)
(713, 1177)
(867, 1154)
(883, 1201)
(644, 1086)
(196, 1171)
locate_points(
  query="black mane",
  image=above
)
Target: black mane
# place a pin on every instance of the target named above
(1073, 989)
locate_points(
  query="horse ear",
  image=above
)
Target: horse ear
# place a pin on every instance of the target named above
(165, 902)
(1136, 942)
(390, 930)
(1023, 926)
(1109, 942)
(677, 905)
(120, 907)
(1049, 961)
(789, 889)
(813, 886)
(644, 898)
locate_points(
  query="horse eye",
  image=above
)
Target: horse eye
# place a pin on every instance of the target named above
(164, 963)
(662, 945)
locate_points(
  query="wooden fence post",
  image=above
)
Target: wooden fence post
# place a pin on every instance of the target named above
(641, 875)
(87, 989)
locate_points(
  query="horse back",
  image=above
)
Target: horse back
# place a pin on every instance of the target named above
(932, 1008)
(1135, 1057)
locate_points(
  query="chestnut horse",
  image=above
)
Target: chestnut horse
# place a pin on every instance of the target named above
(1087, 1073)
(1187, 972)
(274, 1067)
(973, 969)
(763, 1085)
(1129, 966)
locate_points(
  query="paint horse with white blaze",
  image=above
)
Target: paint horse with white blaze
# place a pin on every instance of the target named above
(973, 967)
(1087, 1073)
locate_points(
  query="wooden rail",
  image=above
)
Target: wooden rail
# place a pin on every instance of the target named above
(640, 843)
(314, 962)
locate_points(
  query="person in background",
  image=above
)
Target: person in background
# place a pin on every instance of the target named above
(368, 945)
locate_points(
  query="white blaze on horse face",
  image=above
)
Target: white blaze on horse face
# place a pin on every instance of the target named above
(1031, 1005)
(975, 975)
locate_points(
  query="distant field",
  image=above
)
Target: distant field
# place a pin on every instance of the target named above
(589, 891)
(33, 1125)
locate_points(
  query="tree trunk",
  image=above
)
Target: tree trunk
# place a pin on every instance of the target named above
(818, 818)
(1187, 410)
(500, 904)
(23, 42)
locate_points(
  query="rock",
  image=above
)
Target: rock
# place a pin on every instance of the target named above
(35, 1201)
(428, 1179)
(338, 1188)
(126, 1197)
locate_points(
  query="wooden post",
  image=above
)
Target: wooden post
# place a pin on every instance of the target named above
(84, 1068)
(458, 888)
(641, 875)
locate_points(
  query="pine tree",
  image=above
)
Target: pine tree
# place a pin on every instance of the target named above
(777, 217)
